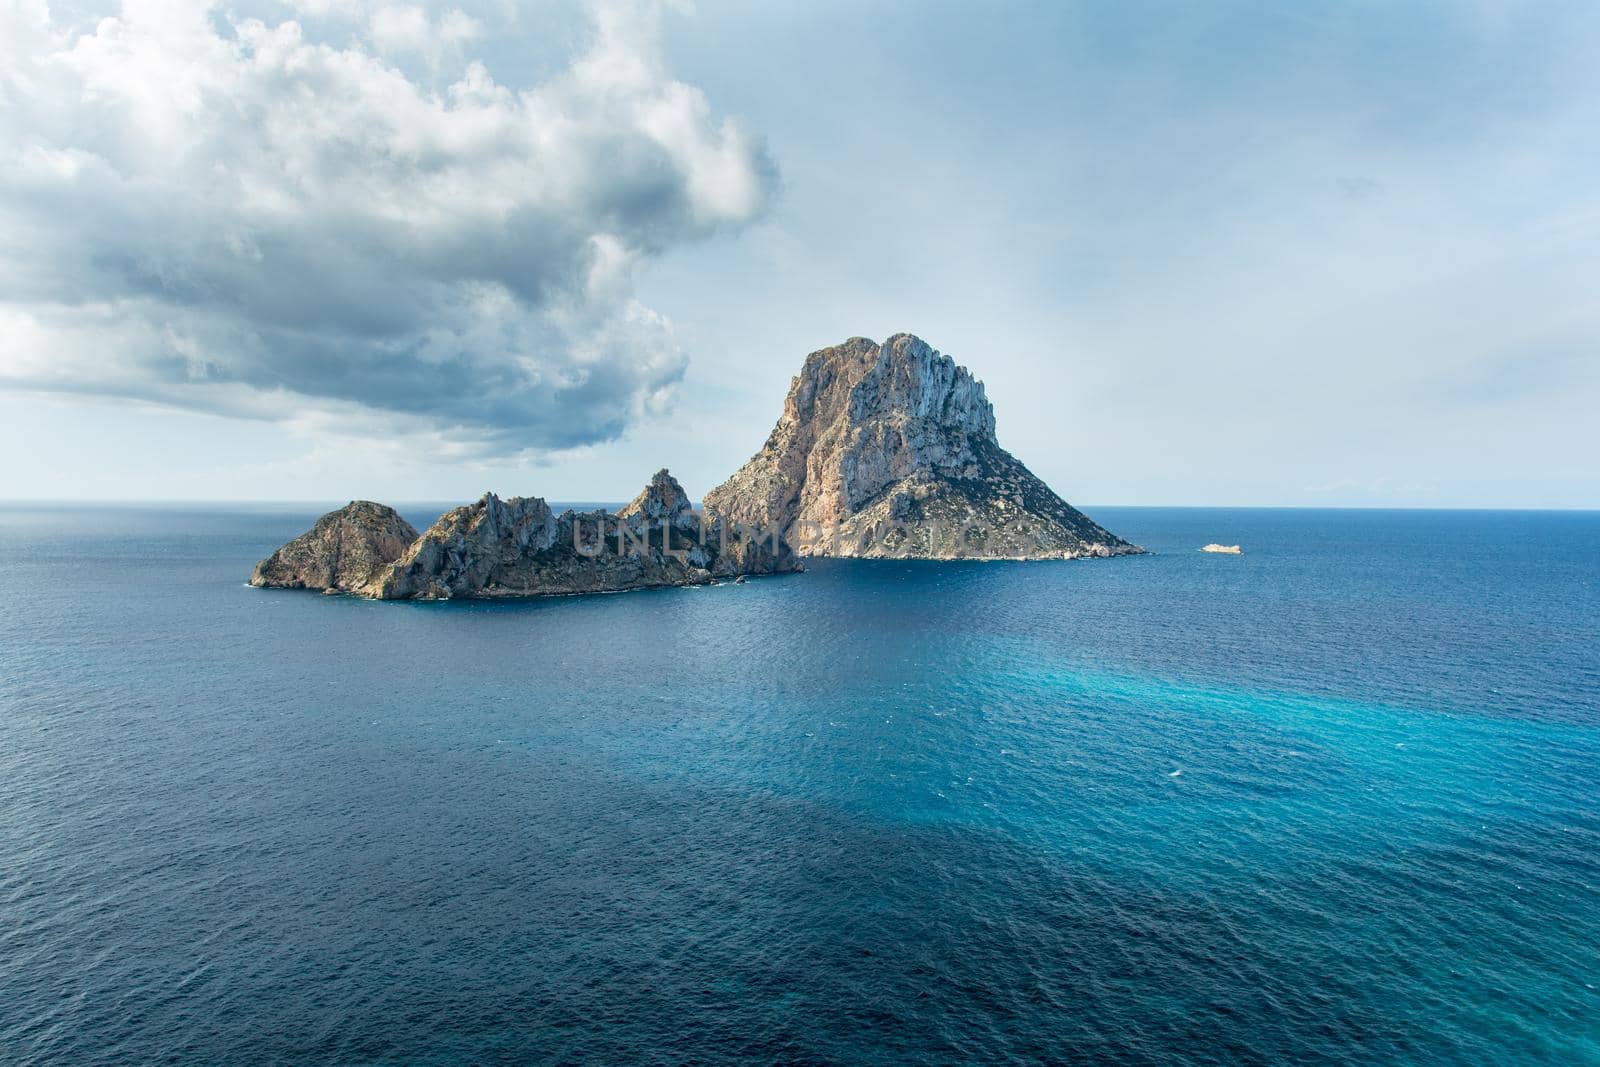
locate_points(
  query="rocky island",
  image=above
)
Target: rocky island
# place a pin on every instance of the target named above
(890, 451)
(882, 451)
(518, 547)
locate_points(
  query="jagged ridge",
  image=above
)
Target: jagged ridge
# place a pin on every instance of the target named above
(518, 547)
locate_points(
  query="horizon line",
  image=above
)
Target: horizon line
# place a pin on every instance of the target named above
(336, 502)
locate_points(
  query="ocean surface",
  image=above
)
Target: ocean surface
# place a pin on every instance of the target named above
(1336, 800)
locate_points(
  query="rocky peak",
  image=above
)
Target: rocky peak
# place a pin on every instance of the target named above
(342, 550)
(520, 520)
(899, 435)
(910, 380)
(663, 498)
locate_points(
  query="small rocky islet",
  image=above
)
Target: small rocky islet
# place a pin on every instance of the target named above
(882, 451)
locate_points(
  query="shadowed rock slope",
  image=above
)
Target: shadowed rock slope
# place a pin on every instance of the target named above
(518, 547)
(889, 451)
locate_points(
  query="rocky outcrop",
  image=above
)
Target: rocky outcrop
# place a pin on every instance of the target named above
(469, 549)
(341, 552)
(518, 547)
(729, 549)
(663, 499)
(890, 451)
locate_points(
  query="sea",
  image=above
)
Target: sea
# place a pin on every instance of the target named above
(1335, 800)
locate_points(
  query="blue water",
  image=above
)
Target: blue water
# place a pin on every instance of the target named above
(1334, 801)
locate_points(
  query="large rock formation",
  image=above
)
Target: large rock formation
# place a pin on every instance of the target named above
(889, 450)
(342, 552)
(518, 547)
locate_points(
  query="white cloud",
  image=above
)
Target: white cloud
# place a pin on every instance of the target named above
(406, 29)
(231, 215)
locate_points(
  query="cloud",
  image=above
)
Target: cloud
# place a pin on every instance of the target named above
(398, 29)
(227, 214)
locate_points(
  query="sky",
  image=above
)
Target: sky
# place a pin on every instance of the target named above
(1230, 253)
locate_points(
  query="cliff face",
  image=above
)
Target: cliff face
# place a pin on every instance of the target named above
(341, 552)
(518, 547)
(889, 450)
